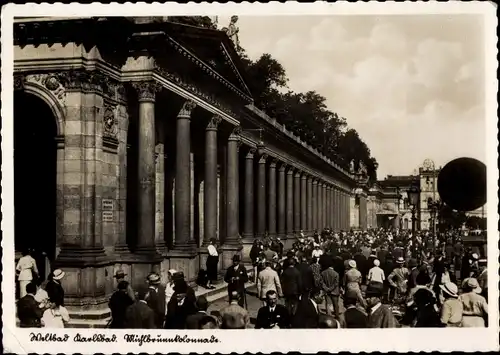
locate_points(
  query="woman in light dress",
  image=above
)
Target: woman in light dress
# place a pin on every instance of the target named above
(55, 316)
(475, 307)
(27, 271)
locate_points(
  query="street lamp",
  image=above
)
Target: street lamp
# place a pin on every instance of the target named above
(433, 207)
(413, 198)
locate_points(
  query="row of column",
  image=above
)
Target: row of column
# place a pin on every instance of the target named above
(295, 201)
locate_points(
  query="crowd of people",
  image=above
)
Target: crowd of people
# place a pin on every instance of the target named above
(378, 279)
(371, 279)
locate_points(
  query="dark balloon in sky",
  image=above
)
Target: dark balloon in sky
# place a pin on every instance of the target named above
(462, 184)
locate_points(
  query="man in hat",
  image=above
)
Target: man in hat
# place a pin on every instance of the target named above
(380, 315)
(398, 279)
(156, 299)
(120, 276)
(452, 309)
(118, 304)
(236, 277)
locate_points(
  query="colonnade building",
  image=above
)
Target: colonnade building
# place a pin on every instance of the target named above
(136, 142)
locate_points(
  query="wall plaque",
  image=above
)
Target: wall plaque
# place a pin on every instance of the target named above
(108, 207)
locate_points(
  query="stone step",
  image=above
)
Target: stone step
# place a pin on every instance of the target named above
(212, 295)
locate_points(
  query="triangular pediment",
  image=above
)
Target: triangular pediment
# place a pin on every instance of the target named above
(214, 49)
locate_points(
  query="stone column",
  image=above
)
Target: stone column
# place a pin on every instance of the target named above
(282, 202)
(309, 205)
(314, 205)
(336, 209)
(328, 206)
(248, 208)
(261, 197)
(248, 232)
(233, 215)
(147, 170)
(296, 203)
(210, 184)
(160, 199)
(272, 199)
(320, 206)
(232, 243)
(323, 191)
(183, 178)
(303, 203)
(362, 212)
(289, 202)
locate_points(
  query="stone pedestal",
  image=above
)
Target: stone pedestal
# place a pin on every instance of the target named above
(186, 261)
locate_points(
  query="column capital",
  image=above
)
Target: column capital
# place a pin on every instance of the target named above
(315, 180)
(298, 173)
(214, 122)
(273, 163)
(290, 170)
(263, 158)
(304, 176)
(250, 153)
(187, 108)
(146, 90)
(282, 167)
(235, 134)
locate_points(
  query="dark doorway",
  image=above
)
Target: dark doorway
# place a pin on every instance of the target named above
(35, 130)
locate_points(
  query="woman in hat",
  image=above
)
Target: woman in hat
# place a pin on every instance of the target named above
(54, 288)
(353, 280)
(212, 261)
(475, 306)
(452, 308)
(398, 279)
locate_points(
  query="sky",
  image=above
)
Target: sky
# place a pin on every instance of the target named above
(411, 85)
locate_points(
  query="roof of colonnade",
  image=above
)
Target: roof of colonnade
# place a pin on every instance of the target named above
(198, 58)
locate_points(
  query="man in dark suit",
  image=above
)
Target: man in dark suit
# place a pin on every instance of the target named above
(181, 305)
(307, 314)
(306, 275)
(330, 283)
(353, 317)
(272, 315)
(291, 284)
(139, 315)
(236, 276)
(118, 304)
(193, 320)
(156, 299)
(28, 309)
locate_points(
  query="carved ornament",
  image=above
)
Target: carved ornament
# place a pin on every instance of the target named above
(50, 81)
(273, 163)
(110, 121)
(19, 80)
(251, 153)
(146, 90)
(235, 134)
(263, 158)
(214, 122)
(187, 108)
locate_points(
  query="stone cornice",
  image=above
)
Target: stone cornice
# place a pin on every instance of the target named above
(292, 138)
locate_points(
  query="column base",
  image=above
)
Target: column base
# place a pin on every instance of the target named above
(247, 243)
(80, 257)
(185, 260)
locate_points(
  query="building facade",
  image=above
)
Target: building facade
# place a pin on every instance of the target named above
(136, 142)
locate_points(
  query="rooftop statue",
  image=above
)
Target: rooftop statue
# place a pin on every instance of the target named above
(351, 167)
(232, 31)
(362, 169)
